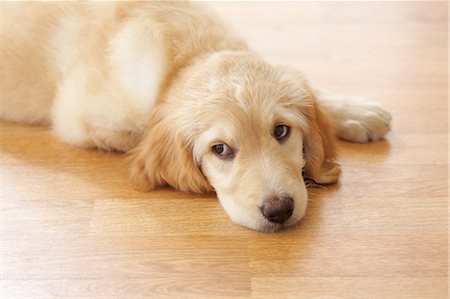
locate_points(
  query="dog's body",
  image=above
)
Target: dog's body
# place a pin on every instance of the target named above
(193, 106)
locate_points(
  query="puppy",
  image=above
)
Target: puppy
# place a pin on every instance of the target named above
(191, 104)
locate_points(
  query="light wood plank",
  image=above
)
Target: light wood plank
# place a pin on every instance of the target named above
(344, 255)
(352, 287)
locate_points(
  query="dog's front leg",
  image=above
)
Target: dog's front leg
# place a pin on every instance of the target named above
(355, 119)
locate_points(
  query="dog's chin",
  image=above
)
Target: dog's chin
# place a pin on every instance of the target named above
(265, 226)
(270, 227)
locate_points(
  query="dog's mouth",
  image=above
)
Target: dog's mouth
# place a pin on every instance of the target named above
(271, 227)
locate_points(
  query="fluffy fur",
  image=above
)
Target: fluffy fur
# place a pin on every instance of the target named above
(166, 82)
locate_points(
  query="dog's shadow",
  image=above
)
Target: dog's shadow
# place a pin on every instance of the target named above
(34, 151)
(317, 220)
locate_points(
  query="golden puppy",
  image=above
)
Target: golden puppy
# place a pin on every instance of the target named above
(194, 108)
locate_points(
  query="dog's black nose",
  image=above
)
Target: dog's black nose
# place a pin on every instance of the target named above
(278, 209)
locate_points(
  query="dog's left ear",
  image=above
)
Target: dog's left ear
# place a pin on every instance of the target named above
(319, 146)
(319, 140)
(164, 158)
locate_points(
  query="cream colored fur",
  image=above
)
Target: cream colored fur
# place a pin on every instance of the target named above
(166, 82)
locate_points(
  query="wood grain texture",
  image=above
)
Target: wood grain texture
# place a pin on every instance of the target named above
(73, 227)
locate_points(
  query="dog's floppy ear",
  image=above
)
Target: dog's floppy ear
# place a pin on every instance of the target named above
(164, 157)
(319, 146)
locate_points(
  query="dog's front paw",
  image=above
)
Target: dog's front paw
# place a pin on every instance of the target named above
(362, 120)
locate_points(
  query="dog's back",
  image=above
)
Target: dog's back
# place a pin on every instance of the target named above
(90, 68)
(40, 42)
(28, 78)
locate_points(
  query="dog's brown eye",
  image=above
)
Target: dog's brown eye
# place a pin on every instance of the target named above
(223, 151)
(281, 131)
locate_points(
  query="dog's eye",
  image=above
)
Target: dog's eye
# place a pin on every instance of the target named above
(281, 131)
(223, 151)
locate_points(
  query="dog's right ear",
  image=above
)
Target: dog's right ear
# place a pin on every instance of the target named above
(164, 158)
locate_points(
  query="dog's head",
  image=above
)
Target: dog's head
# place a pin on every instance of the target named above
(234, 124)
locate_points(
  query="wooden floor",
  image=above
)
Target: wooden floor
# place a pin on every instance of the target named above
(73, 227)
